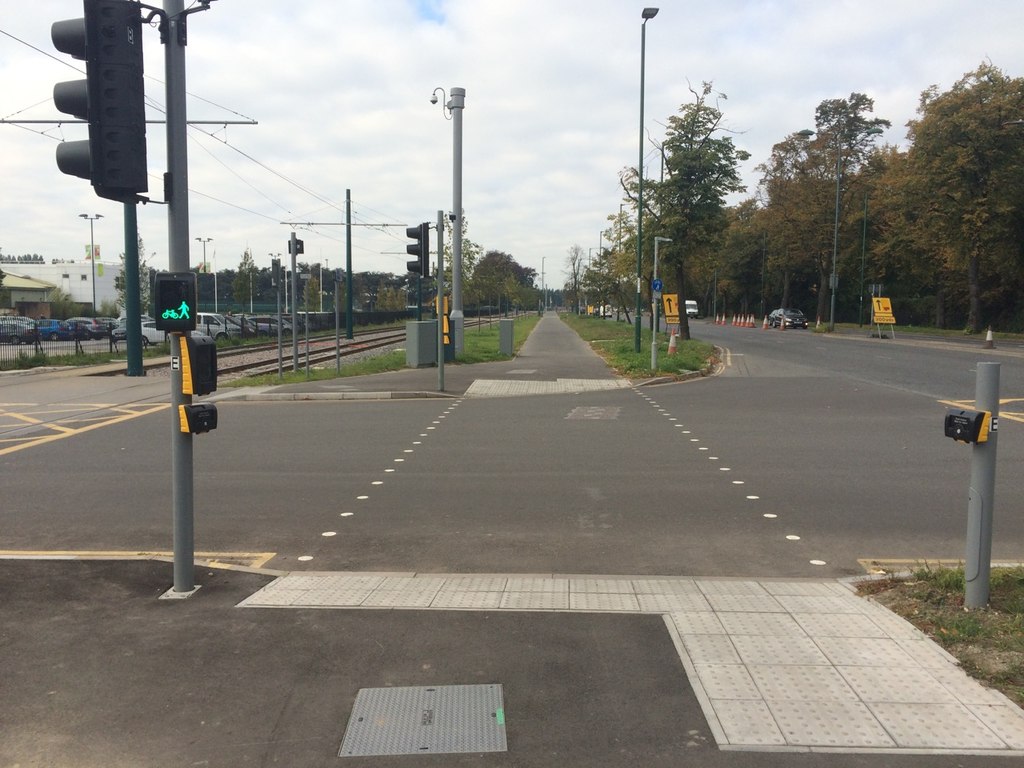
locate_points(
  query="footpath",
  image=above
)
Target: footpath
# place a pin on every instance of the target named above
(396, 669)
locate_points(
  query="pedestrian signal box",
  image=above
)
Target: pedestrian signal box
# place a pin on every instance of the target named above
(175, 301)
(968, 426)
(198, 365)
(197, 419)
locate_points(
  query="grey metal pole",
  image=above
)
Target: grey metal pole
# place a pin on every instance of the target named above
(440, 304)
(640, 194)
(292, 247)
(132, 310)
(348, 264)
(456, 104)
(182, 489)
(835, 236)
(981, 495)
(337, 320)
(654, 313)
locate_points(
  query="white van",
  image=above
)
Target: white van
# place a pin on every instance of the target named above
(691, 309)
(210, 324)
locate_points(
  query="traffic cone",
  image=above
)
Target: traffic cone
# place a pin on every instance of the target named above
(989, 341)
(764, 325)
(672, 343)
(750, 321)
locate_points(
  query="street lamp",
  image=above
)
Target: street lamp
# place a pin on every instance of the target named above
(92, 254)
(204, 241)
(873, 130)
(454, 108)
(654, 297)
(648, 13)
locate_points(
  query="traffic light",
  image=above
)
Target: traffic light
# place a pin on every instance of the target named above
(174, 301)
(198, 365)
(300, 247)
(275, 271)
(420, 249)
(111, 98)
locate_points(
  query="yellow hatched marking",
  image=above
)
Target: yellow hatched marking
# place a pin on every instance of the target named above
(59, 432)
(1014, 413)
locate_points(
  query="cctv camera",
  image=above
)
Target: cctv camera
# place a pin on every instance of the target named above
(433, 99)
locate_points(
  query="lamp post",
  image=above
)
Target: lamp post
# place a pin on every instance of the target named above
(654, 301)
(646, 14)
(454, 108)
(92, 253)
(874, 130)
(204, 241)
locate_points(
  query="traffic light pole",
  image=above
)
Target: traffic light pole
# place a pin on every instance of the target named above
(440, 301)
(132, 308)
(176, 183)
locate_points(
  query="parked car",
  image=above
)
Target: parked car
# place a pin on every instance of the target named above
(150, 334)
(793, 318)
(215, 325)
(17, 330)
(61, 330)
(91, 325)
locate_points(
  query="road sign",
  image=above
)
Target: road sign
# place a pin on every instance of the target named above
(670, 305)
(881, 310)
(656, 286)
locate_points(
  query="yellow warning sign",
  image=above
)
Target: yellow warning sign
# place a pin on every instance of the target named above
(670, 306)
(881, 310)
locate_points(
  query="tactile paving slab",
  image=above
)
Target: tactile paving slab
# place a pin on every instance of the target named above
(440, 719)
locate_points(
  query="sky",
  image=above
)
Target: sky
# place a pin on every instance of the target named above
(334, 95)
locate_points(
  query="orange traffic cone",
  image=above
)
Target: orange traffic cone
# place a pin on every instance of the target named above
(764, 325)
(672, 343)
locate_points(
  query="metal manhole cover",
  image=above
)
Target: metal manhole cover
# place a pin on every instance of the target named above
(441, 719)
(594, 413)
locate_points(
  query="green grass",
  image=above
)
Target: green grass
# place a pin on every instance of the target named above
(988, 642)
(616, 343)
(480, 346)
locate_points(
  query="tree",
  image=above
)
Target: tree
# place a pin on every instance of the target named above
(701, 169)
(242, 285)
(972, 164)
(575, 275)
(145, 280)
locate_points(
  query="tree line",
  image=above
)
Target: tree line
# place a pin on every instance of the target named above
(937, 226)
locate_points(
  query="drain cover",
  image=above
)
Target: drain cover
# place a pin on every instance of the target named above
(441, 719)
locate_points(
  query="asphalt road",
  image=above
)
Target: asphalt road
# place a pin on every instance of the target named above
(804, 449)
(804, 456)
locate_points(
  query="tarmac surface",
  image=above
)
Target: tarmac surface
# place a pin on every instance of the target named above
(262, 667)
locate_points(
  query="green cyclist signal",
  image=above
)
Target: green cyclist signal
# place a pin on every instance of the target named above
(174, 301)
(181, 313)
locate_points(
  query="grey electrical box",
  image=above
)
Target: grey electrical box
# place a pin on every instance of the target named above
(421, 343)
(506, 337)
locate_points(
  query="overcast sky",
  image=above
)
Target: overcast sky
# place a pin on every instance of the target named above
(340, 91)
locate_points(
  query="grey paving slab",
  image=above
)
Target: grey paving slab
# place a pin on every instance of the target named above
(774, 664)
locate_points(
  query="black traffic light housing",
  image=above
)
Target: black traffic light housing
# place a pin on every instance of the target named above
(175, 301)
(420, 249)
(198, 365)
(111, 98)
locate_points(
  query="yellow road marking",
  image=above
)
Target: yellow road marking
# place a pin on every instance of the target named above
(1012, 414)
(62, 432)
(248, 559)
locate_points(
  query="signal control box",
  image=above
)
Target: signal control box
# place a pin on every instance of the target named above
(197, 418)
(968, 426)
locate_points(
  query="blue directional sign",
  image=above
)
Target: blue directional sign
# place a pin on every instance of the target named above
(656, 285)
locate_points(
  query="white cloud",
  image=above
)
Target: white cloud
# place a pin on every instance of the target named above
(341, 88)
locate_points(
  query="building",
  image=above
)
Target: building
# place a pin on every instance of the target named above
(74, 278)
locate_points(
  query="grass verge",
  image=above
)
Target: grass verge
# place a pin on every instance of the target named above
(616, 343)
(988, 643)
